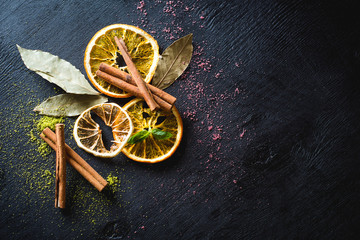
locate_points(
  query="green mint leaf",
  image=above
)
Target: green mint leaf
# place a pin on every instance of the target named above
(160, 135)
(138, 137)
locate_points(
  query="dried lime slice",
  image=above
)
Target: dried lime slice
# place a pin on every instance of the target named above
(88, 135)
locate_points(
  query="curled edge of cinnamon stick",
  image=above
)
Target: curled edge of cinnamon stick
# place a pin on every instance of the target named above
(148, 97)
(76, 161)
(117, 82)
(60, 181)
(127, 78)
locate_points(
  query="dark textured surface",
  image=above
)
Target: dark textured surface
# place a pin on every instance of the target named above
(270, 104)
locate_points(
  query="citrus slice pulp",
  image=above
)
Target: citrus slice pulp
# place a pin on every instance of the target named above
(142, 47)
(88, 135)
(152, 150)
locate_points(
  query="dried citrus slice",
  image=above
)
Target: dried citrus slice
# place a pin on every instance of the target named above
(152, 150)
(142, 47)
(88, 135)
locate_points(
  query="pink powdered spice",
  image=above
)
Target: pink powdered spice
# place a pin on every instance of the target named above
(143, 14)
(190, 114)
(242, 134)
(166, 29)
(216, 136)
(203, 103)
(171, 6)
(141, 7)
(201, 98)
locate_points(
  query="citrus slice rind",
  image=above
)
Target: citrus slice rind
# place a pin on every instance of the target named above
(152, 150)
(88, 135)
(143, 49)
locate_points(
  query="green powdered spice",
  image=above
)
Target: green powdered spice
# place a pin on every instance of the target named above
(28, 173)
(39, 125)
(47, 121)
(48, 176)
(114, 182)
(44, 149)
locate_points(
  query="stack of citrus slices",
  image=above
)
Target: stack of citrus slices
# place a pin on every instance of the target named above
(135, 116)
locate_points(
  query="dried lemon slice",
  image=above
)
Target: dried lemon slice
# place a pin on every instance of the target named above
(88, 135)
(142, 47)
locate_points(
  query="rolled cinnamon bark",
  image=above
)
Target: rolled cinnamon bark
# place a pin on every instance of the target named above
(127, 78)
(76, 161)
(60, 184)
(148, 97)
(117, 82)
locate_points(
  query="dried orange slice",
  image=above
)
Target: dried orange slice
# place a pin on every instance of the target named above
(142, 47)
(88, 135)
(152, 150)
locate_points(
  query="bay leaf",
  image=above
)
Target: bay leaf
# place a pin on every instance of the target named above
(68, 105)
(57, 71)
(173, 62)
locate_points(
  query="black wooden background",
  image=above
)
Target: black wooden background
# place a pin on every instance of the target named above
(270, 104)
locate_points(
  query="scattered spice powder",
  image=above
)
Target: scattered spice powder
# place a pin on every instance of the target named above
(203, 103)
(242, 134)
(114, 182)
(94, 205)
(45, 121)
(30, 175)
(141, 7)
(216, 136)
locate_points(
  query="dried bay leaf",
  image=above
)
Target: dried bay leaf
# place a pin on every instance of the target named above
(68, 105)
(173, 62)
(57, 71)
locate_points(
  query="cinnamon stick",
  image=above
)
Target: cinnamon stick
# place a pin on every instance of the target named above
(76, 161)
(60, 181)
(148, 97)
(127, 78)
(117, 82)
